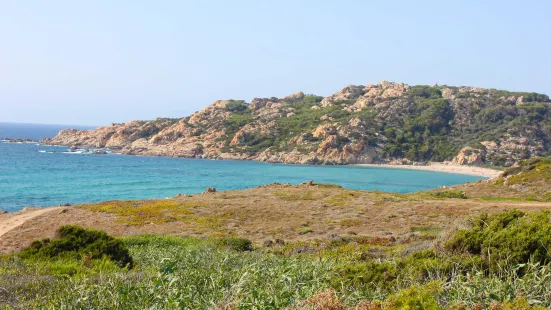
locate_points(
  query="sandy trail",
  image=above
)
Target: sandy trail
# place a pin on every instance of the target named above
(11, 221)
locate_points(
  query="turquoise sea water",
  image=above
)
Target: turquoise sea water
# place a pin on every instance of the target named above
(29, 177)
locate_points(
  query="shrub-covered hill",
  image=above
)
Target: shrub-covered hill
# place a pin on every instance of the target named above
(528, 180)
(359, 124)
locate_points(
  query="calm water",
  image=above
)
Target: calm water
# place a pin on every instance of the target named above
(52, 177)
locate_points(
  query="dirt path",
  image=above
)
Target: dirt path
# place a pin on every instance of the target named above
(11, 221)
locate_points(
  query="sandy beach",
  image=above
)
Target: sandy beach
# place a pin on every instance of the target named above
(440, 167)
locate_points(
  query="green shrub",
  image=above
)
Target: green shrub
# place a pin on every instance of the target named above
(78, 242)
(421, 297)
(238, 106)
(510, 237)
(450, 194)
(425, 92)
(236, 244)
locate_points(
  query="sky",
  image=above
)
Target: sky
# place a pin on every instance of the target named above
(103, 61)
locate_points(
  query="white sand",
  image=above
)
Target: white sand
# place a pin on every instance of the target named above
(440, 167)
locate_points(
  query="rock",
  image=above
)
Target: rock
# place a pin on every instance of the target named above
(347, 93)
(67, 205)
(471, 90)
(333, 237)
(3, 211)
(323, 131)
(448, 93)
(329, 142)
(268, 243)
(310, 183)
(258, 103)
(18, 140)
(294, 97)
(520, 100)
(279, 242)
(210, 190)
(468, 156)
(303, 249)
(205, 133)
(63, 211)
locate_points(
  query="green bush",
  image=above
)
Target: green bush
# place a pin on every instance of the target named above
(510, 237)
(450, 194)
(236, 244)
(237, 106)
(421, 297)
(77, 242)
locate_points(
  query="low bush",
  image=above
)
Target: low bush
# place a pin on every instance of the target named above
(450, 194)
(77, 242)
(236, 244)
(416, 297)
(511, 237)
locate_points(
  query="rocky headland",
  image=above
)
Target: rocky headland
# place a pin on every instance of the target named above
(389, 122)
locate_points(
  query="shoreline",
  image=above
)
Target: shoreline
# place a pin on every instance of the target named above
(432, 166)
(441, 167)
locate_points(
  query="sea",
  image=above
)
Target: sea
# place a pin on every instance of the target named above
(32, 174)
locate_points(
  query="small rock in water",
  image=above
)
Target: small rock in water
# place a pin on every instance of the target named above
(211, 190)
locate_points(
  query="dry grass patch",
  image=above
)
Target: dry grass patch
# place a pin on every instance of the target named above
(141, 212)
(343, 199)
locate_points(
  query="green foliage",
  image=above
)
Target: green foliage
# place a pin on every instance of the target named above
(417, 297)
(450, 194)
(422, 133)
(76, 242)
(236, 244)
(510, 237)
(237, 106)
(305, 230)
(193, 273)
(236, 121)
(424, 91)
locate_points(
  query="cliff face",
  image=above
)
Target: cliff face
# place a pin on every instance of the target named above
(385, 122)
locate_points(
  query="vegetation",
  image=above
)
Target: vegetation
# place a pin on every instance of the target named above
(511, 237)
(76, 242)
(530, 180)
(450, 194)
(498, 262)
(425, 127)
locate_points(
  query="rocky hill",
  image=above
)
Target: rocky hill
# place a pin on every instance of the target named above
(385, 122)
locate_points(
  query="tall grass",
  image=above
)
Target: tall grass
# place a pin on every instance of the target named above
(192, 273)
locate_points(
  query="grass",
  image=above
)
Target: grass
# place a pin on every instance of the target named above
(305, 230)
(342, 199)
(528, 181)
(141, 212)
(488, 198)
(193, 273)
(297, 195)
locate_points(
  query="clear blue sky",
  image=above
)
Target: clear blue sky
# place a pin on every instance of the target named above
(102, 61)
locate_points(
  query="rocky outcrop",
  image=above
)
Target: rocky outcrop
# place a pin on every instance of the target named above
(383, 123)
(468, 156)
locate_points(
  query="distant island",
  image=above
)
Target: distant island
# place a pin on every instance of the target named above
(19, 140)
(385, 123)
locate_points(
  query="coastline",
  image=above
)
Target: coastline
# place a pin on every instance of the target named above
(441, 167)
(432, 166)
